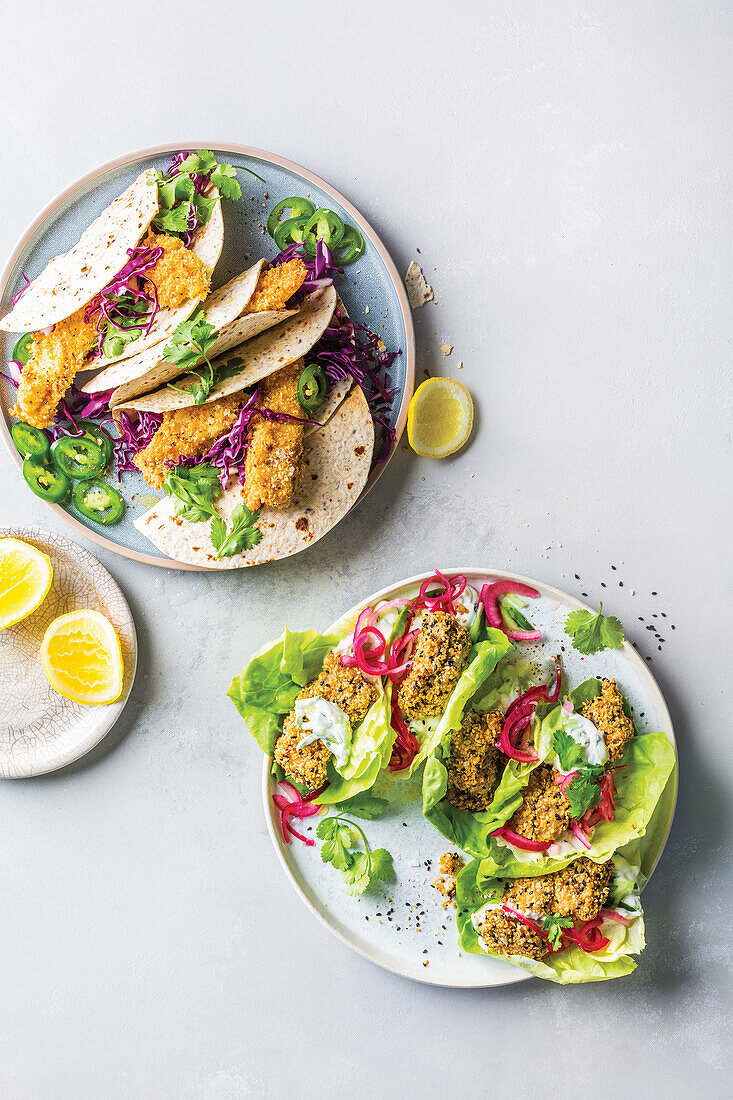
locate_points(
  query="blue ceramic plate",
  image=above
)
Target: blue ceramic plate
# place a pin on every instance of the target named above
(371, 288)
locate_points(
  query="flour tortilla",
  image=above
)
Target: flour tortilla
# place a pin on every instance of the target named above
(261, 356)
(336, 463)
(207, 243)
(72, 279)
(150, 369)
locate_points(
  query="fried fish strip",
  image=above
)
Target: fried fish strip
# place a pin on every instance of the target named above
(55, 358)
(276, 285)
(179, 273)
(184, 433)
(273, 457)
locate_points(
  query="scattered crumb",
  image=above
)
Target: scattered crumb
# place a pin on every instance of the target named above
(460, 365)
(450, 864)
(418, 290)
(366, 309)
(446, 348)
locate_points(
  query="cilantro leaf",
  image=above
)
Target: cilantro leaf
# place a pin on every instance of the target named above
(194, 490)
(381, 865)
(130, 328)
(173, 221)
(224, 177)
(568, 751)
(365, 805)
(357, 875)
(592, 633)
(583, 791)
(553, 925)
(358, 868)
(244, 534)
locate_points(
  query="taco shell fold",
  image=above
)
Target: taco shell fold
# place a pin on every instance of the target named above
(335, 466)
(71, 280)
(207, 244)
(260, 356)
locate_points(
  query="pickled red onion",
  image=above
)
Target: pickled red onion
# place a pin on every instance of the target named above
(490, 596)
(518, 841)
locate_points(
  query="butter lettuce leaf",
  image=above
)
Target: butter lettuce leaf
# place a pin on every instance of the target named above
(475, 888)
(265, 692)
(472, 831)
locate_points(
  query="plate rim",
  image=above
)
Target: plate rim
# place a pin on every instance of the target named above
(42, 534)
(282, 162)
(304, 893)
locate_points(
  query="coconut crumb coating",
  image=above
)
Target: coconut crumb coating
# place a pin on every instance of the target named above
(184, 433)
(276, 285)
(272, 465)
(475, 764)
(441, 655)
(579, 892)
(606, 712)
(179, 274)
(55, 358)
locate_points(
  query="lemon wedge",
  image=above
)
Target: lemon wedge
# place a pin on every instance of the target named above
(82, 658)
(25, 578)
(440, 418)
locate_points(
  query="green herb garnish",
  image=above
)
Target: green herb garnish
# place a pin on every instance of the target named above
(341, 839)
(191, 342)
(592, 633)
(553, 926)
(194, 489)
(583, 791)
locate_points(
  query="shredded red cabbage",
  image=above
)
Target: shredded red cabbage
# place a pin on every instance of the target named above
(107, 305)
(230, 451)
(133, 436)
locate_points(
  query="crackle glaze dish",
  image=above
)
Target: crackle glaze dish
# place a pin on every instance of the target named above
(41, 730)
(401, 925)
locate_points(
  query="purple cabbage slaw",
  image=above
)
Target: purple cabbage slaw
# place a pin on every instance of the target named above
(230, 450)
(128, 281)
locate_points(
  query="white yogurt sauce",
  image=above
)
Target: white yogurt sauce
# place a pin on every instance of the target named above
(325, 722)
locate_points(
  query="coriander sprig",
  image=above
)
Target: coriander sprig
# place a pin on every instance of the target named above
(191, 342)
(592, 633)
(341, 839)
(553, 926)
(194, 489)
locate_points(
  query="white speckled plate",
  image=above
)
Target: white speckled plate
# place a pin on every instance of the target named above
(403, 927)
(40, 730)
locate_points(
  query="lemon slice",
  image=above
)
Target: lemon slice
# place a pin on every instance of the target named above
(82, 658)
(440, 418)
(25, 578)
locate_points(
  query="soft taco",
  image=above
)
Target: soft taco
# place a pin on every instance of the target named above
(139, 269)
(294, 489)
(275, 337)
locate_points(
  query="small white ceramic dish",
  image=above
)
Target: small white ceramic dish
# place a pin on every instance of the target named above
(41, 730)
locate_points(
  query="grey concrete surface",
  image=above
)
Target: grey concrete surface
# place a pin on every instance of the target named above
(565, 170)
